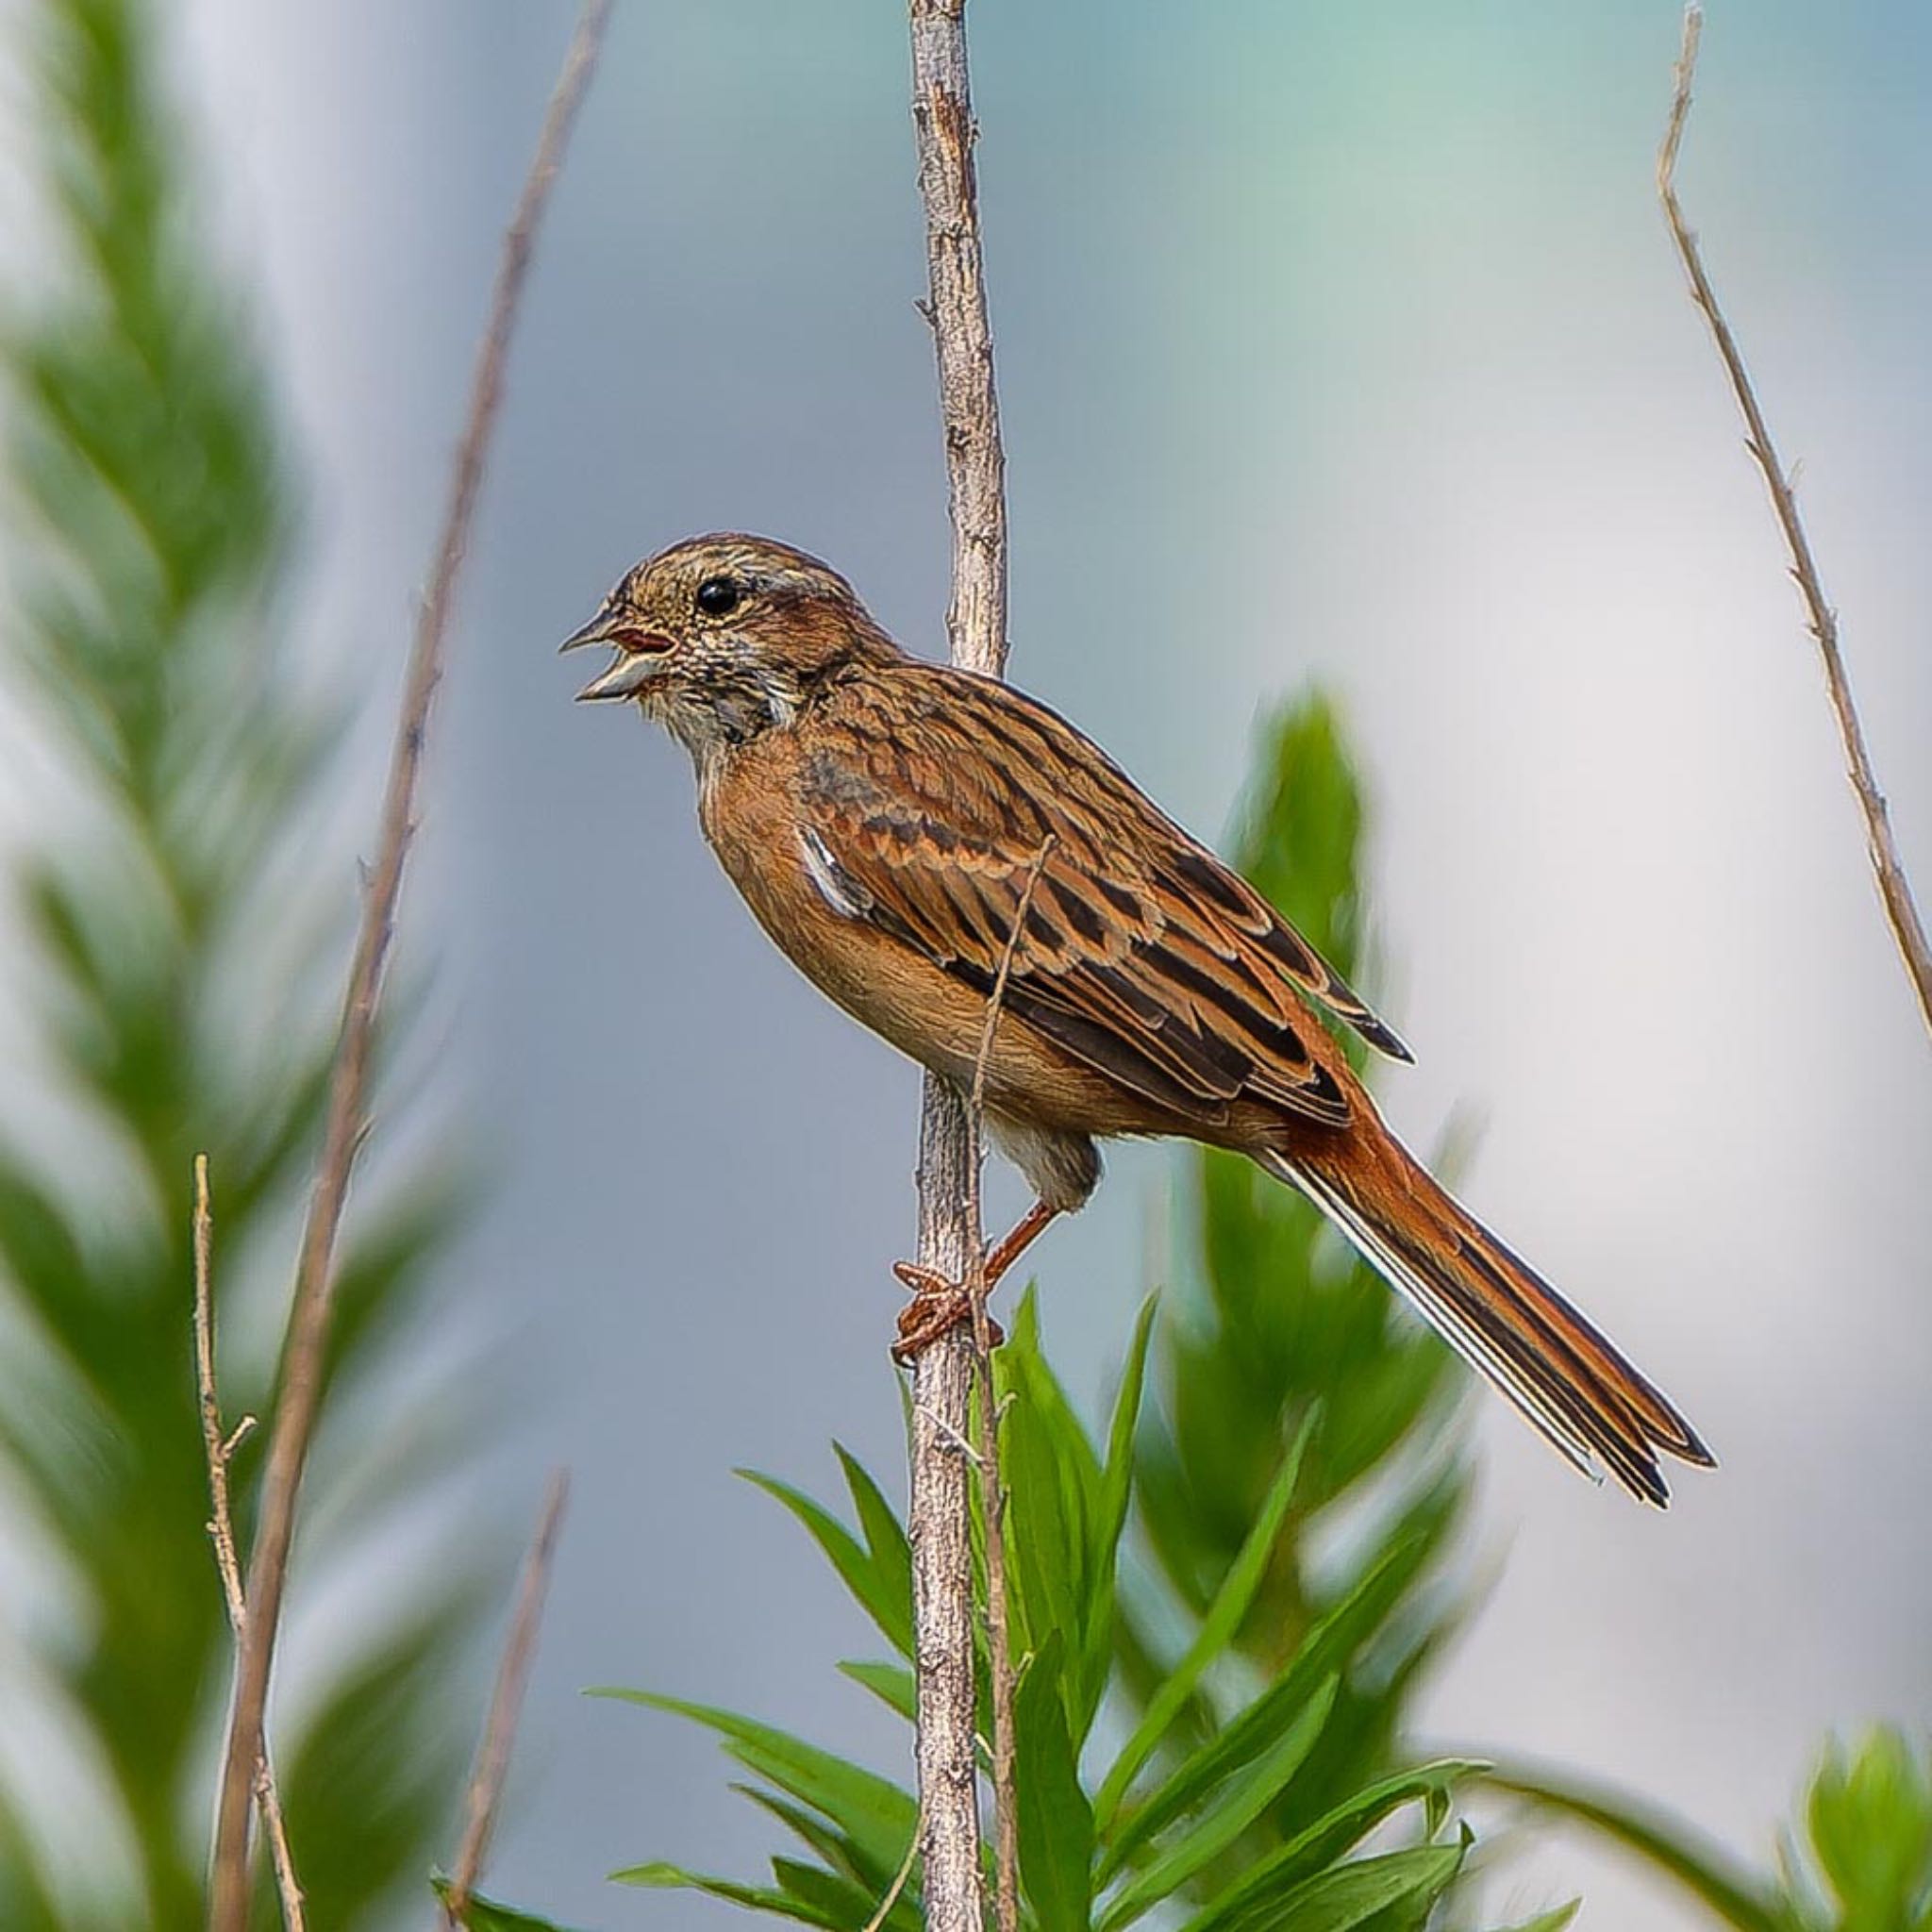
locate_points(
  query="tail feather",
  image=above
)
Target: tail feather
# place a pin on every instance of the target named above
(1557, 1368)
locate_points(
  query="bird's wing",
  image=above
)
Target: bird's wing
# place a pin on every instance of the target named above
(932, 800)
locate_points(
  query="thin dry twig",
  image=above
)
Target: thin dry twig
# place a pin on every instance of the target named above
(897, 1886)
(313, 1307)
(1901, 909)
(992, 1489)
(939, 1514)
(499, 1730)
(221, 1447)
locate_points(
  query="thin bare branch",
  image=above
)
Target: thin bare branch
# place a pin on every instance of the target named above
(312, 1306)
(993, 1487)
(1901, 909)
(939, 1515)
(897, 1886)
(221, 1447)
(499, 1731)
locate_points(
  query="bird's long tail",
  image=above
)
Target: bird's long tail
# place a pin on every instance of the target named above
(1494, 1311)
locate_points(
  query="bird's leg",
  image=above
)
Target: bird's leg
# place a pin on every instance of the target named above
(937, 1303)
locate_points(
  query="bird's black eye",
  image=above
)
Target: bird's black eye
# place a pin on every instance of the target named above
(717, 596)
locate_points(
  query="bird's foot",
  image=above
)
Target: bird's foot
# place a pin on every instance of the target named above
(938, 1305)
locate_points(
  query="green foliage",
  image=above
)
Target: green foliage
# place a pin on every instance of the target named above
(175, 1010)
(1858, 1860)
(1287, 1337)
(485, 1915)
(1105, 1839)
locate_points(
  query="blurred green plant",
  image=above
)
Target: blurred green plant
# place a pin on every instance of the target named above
(1108, 1833)
(1211, 1753)
(1282, 1329)
(179, 1004)
(1858, 1859)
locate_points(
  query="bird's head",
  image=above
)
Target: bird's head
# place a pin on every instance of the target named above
(721, 638)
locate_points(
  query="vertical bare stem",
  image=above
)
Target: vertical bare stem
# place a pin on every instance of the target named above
(993, 1487)
(949, 1233)
(1901, 910)
(220, 1445)
(313, 1307)
(499, 1730)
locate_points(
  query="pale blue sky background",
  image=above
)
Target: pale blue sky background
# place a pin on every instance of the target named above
(1335, 343)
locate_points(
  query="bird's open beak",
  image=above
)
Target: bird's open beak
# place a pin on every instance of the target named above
(633, 668)
(597, 632)
(625, 679)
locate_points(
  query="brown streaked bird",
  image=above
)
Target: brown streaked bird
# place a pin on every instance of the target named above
(888, 820)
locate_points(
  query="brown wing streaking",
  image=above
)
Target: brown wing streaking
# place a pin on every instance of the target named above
(1143, 955)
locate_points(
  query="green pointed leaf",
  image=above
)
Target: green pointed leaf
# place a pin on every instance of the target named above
(1217, 1630)
(841, 1858)
(1228, 1747)
(1320, 1843)
(487, 1915)
(1869, 1817)
(1052, 1480)
(1236, 1808)
(885, 1536)
(887, 1599)
(892, 1684)
(1556, 1921)
(874, 1813)
(1335, 1900)
(841, 1901)
(1703, 1869)
(1096, 1625)
(832, 1846)
(1117, 1476)
(1056, 1821)
(771, 1899)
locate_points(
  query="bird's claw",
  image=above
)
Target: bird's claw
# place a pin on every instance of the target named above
(938, 1306)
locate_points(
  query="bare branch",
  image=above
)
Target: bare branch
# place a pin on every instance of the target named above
(312, 1306)
(221, 1448)
(1901, 909)
(499, 1731)
(939, 1518)
(993, 1487)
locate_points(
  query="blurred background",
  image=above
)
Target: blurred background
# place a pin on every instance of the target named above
(1340, 345)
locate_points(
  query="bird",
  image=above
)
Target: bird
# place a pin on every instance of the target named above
(925, 843)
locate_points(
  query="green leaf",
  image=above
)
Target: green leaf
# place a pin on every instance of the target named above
(842, 1902)
(1235, 1743)
(1703, 1869)
(1869, 1817)
(1117, 1475)
(1096, 1627)
(885, 1536)
(1349, 1896)
(1053, 1482)
(874, 1813)
(841, 1859)
(887, 1599)
(892, 1684)
(1217, 1630)
(1555, 1920)
(1233, 1811)
(1056, 1822)
(487, 1915)
(773, 1900)
(1329, 1836)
